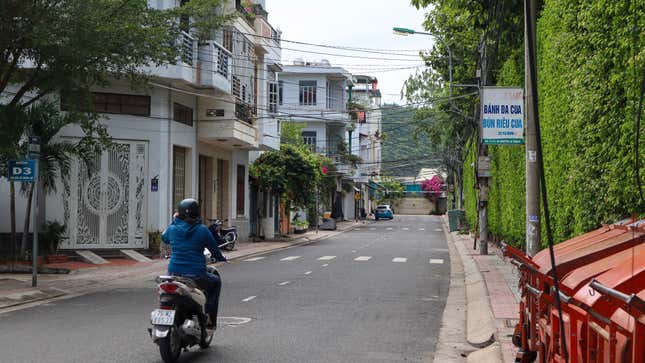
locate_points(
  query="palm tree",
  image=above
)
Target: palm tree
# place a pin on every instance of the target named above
(13, 120)
(45, 121)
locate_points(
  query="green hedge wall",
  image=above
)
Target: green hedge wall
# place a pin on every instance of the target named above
(590, 59)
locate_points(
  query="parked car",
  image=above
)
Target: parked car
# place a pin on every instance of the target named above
(383, 211)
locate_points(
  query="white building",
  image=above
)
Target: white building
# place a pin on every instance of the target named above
(189, 135)
(366, 93)
(314, 94)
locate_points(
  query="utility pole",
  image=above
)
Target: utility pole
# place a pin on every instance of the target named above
(532, 168)
(483, 159)
(34, 153)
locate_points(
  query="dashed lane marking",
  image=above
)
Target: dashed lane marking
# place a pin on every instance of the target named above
(249, 298)
(254, 259)
(284, 283)
(363, 258)
(438, 230)
(308, 273)
(422, 229)
(326, 258)
(325, 265)
(437, 261)
(372, 228)
(290, 258)
(389, 228)
(399, 259)
(406, 228)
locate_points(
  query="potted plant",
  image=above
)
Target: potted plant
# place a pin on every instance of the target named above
(51, 235)
(300, 226)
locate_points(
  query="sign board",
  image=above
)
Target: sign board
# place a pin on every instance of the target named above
(502, 115)
(22, 170)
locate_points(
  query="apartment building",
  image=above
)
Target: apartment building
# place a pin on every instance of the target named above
(190, 134)
(365, 93)
(315, 94)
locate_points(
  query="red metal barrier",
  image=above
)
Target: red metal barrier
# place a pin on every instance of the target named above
(602, 290)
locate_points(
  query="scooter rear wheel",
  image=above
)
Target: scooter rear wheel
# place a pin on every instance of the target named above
(170, 346)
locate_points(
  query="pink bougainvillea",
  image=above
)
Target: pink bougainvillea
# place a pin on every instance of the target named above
(432, 187)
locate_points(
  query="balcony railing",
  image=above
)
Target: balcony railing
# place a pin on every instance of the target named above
(244, 112)
(223, 60)
(187, 46)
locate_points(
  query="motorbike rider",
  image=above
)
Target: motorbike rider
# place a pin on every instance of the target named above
(188, 237)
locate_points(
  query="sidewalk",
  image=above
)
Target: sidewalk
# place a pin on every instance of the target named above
(16, 291)
(491, 300)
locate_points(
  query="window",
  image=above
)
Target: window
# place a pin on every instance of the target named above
(110, 103)
(280, 91)
(183, 114)
(236, 87)
(227, 40)
(241, 189)
(244, 93)
(308, 93)
(178, 175)
(309, 138)
(273, 97)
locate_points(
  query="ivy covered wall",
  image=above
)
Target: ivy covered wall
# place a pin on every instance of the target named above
(591, 56)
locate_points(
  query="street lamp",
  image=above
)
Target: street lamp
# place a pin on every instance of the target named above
(406, 32)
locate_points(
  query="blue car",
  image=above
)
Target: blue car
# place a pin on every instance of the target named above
(383, 211)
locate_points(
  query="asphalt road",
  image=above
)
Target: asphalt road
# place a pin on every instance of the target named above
(374, 294)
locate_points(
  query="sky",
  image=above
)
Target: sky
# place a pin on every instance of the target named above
(354, 23)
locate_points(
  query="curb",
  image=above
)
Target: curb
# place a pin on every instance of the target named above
(451, 346)
(480, 324)
(490, 354)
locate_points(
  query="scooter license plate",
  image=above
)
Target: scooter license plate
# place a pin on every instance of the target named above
(162, 317)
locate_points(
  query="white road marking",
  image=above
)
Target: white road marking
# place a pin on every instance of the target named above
(326, 258)
(422, 229)
(436, 260)
(254, 259)
(249, 298)
(284, 283)
(372, 228)
(325, 265)
(406, 228)
(362, 258)
(357, 229)
(399, 259)
(438, 229)
(353, 251)
(389, 228)
(308, 272)
(290, 258)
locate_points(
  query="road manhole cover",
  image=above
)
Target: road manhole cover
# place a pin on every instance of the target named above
(232, 320)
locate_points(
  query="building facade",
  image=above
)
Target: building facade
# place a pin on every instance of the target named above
(315, 95)
(191, 133)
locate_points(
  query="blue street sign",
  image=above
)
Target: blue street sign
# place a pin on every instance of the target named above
(22, 170)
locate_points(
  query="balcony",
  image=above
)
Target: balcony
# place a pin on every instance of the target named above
(186, 68)
(215, 66)
(227, 124)
(244, 112)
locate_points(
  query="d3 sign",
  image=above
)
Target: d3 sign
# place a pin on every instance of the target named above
(22, 170)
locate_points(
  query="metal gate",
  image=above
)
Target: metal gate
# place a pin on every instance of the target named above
(105, 200)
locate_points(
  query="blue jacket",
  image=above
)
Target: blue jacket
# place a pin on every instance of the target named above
(187, 242)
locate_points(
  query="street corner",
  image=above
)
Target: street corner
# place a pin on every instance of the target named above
(16, 292)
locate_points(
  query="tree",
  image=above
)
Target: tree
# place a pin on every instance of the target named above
(45, 121)
(391, 191)
(66, 47)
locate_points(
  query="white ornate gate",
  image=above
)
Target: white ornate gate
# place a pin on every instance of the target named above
(105, 201)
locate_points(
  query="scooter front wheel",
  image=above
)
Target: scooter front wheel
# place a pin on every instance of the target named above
(170, 346)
